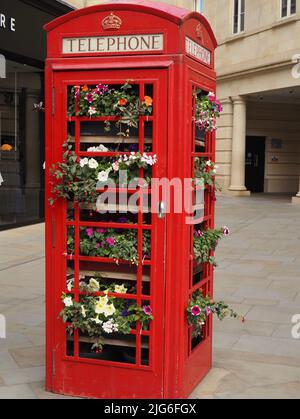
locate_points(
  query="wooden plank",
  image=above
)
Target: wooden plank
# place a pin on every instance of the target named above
(92, 139)
(111, 342)
(123, 276)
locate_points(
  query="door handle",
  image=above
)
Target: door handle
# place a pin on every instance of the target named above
(161, 210)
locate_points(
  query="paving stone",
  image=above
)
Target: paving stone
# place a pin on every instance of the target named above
(268, 345)
(22, 391)
(29, 357)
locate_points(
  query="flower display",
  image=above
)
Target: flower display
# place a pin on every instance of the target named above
(110, 243)
(208, 109)
(77, 179)
(97, 316)
(102, 100)
(205, 171)
(205, 242)
(201, 307)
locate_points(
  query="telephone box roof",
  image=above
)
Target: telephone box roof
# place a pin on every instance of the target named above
(177, 15)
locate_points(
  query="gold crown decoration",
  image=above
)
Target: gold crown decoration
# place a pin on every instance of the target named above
(199, 32)
(111, 22)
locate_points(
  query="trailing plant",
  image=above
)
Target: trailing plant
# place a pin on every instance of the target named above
(102, 100)
(208, 109)
(200, 308)
(206, 241)
(98, 316)
(117, 244)
(205, 172)
(77, 179)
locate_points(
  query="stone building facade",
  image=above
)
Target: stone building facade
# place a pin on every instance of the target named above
(258, 147)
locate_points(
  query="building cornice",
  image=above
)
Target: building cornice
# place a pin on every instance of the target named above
(53, 7)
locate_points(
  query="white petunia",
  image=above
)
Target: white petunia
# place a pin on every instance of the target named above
(84, 162)
(120, 289)
(97, 320)
(68, 302)
(94, 285)
(83, 312)
(109, 310)
(93, 164)
(103, 176)
(100, 148)
(70, 285)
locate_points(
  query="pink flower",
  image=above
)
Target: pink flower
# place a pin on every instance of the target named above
(115, 166)
(90, 232)
(110, 241)
(101, 89)
(99, 245)
(199, 233)
(147, 310)
(196, 311)
(208, 311)
(101, 230)
(89, 97)
(226, 231)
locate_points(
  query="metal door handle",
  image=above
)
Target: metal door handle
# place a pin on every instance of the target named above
(161, 213)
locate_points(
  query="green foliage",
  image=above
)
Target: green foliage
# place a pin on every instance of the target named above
(115, 244)
(102, 100)
(206, 241)
(200, 308)
(102, 315)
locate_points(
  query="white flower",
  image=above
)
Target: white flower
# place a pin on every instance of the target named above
(83, 312)
(68, 302)
(209, 163)
(70, 285)
(93, 164)
(103, 176)
(84, 162)
(92, 110)
(97, 320)
(120, 289)
(100, 148)
(110, 327)
(109, 310)
(94, 285)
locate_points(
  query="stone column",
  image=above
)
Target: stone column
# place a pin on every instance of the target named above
(296, 199)
(237, 187)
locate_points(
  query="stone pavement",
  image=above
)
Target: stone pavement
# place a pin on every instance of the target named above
(259, 273)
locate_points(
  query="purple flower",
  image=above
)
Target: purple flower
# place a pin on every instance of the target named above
(226, 231)
(147, 310)
(133, 147)
(90, 232)
(196, 311)
(89, 97)
(99, 245)
(125, 313)
(101, 89)
(110, 241)
(208, 311)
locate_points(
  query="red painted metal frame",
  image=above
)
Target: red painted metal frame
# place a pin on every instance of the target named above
(174, 369)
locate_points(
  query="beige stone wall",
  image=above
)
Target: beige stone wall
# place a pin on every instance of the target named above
(189, 4)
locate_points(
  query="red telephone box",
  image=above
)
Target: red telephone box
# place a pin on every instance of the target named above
(166, 54)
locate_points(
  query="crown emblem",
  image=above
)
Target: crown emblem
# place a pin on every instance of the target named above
(111, 22)
(199, 32)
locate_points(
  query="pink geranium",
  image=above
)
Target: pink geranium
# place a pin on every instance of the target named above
(196, 311)
(110, 241)
(90, 232)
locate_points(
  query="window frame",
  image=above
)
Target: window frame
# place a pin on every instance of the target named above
(289, 6)
(241, 14)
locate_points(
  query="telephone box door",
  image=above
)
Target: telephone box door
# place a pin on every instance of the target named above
(129, 364)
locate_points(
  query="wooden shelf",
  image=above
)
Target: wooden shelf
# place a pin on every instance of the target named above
(200, 143)
(91, 139)
(111, 342)
(123, 276)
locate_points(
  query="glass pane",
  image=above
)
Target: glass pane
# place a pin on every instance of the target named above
(293, 7)
(284, 12)
(21, 145)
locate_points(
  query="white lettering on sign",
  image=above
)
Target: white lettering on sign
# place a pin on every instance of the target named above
(111, 44)
(7, 23)
(197, 51)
